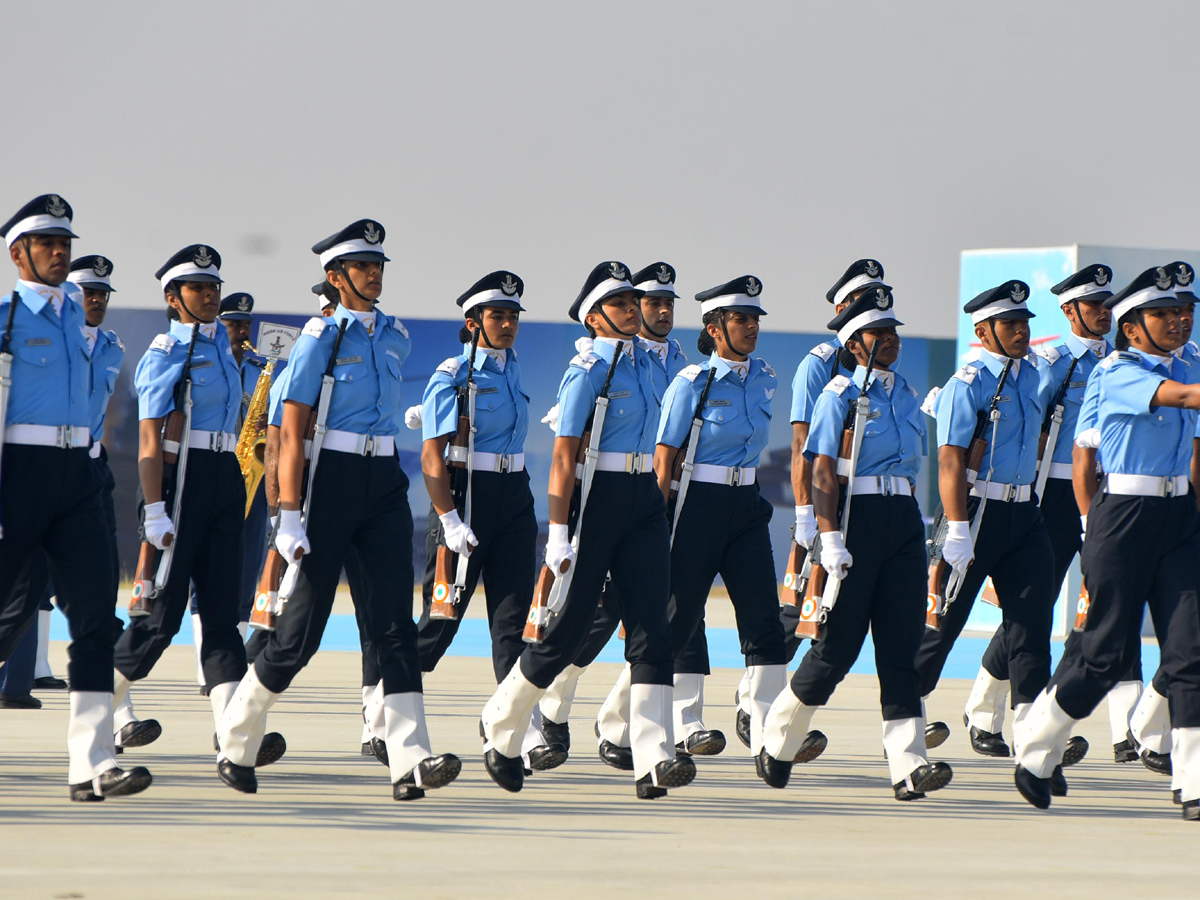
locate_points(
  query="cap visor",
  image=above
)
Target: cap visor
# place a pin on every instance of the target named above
(365, 257)
(95, 286)
(58, 232)
(671, 294)
(750, 310)
(235, 315)
(1164, 302)
(1014, 314)
(200, 279)
(501, 304)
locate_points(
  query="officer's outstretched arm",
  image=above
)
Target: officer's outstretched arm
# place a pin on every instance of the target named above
(1083, 477)
(150, 462)
(801, 469)
(291, 452)
(825, 491)
(437, 478)
(1173, 393)
(562, 478)
(664, 462)
(952, 481)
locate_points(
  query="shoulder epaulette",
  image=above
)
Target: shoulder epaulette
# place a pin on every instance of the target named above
(678, 348)
(112, 336)
(1126, 355)
(967, 373)
(838, 385)
(164, 343)
(398, 325)
(315, 327)
(689, 372)
(1049, 354)
(767, 367)
(451, 366)
(823, 351)
(585, 359)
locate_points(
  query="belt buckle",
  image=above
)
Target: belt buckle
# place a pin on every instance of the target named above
(368, 445)
(503, 462)
(734, 478)
(215, 440)
(885, 484)
(1009, 492)
(62, 438)
(1168, 487)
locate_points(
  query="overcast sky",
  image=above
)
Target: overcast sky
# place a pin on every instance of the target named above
(777, 139)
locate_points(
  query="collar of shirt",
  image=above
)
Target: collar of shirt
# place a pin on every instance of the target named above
(1153, 360)
(183, 332)
(1079, 345)
(91, 333)
(367, 319)
(885, 377)
(994, 363)
(599, 342)
(725, 366)
(658, 348)
(483, 354)
(53, 295)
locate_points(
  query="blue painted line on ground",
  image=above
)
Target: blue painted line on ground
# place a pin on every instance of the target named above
(473, 640)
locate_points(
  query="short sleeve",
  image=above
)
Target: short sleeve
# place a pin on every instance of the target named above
(811, 377)
(679, 406)
(825, 429)
(957, 414)
(576, 400)
(155, 383)
(301, 381)
(439, 407)
(1128, 389)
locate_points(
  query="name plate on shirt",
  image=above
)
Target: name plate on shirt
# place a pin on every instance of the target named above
(201, 363)
(276, 340)
(720, 403)
(347, 360)
(487, 390)
(38, 342)
(619, 395)
(1075, 384)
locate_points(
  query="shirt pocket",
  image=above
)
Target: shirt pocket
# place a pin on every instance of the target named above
(46, 354)
(389, 387)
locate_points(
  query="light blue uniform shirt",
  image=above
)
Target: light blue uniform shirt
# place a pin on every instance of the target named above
(366, 388)
(501, 406)
(894, 437)
(51, 368)
(216, 385)
(633, 408)
(1059, 359)
(814, 372)
(107, 356)
(663, 374)
(1022, 408)
(737, 415)
(1136, 439)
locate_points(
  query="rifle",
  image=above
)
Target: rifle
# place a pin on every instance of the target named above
(685, 459)
(1048, 441)
(266, 596)
(176, 435)
(821, 592)
(315, 433)
(6, 361)
(551, 590)
(938, 602)
(447, 596)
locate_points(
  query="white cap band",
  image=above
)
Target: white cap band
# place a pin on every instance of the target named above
(995, 309)
(357, 245)
(858, 281)
(1082, 290)
(484, 297)
(1133, 301)
(35, 223)
(863, 320)
(606, 287)
(726, 300)
(87, 276)
(183, 270)
(655, 286)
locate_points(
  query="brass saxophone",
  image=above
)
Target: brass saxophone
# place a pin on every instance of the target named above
(252, 442)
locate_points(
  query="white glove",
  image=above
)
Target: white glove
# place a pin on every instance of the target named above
(290, 540)
(806, 526)
(459, 537)
(412, 417)
(929, 404)
(959, 550)
(835, 558)
(1088, 439)
(157, 525)
(558, 549)
(584, 344)
(1082, 527)
(551, 417)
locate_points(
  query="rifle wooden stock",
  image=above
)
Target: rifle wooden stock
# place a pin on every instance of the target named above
(790, 595)
(539, 614)
(1042, 440)
(1082, 607)
(939, 571)
(988, 593)
(810, 608)
(266, 597)
(581, 454)
(974, 459)
(140, 602)
(462, 437)
(442, 605)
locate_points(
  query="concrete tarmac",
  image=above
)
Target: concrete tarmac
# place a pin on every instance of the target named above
(324, 825)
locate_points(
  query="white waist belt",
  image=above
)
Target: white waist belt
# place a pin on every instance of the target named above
(1060, 470)
(360, 444)
(734, 476)
(882, 484)
(217, 441)
(632, 463)
(489, 462)
(64, 437)
(94, 452)
(1016, 493)
(1146, 485)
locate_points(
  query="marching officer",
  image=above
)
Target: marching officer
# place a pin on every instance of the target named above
(877, 552)
(346, 369)
(206, 542)
(622, 524)
(1067, 367)
(1142, 540)
(729, 395)
(50, 489)
(1008, 542)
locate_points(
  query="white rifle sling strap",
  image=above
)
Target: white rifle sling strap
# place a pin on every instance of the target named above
(460, 572)
(1056, 420)
(6, 361)
(185, 439)
(862, 412)
(689, 456)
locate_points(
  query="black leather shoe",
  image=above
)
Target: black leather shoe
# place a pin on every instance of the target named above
(1177, 797)
(989, 743)
(1125, 752)
(742, 727)
(366, 749)
(931, 777)
(557, 733)
(378, 749)
(704, 743)
(505, 771)
(1035, 790)
(936, 734)
(1058, 782)
(139, 734)
(1158, 763)
(813, 746)
(434, 772)
(617, 757)
(547, 756)
(1075, 751)
(16, 701)
(113, 783)
(240, 778)
(204, 690)
(49, 683)
(671, 773)
(273, 747)
(1191, 811)
(774, 772)
(900, 789)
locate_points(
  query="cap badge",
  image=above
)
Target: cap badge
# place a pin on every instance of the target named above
(100, 267)
(1018, 294)
(508, 285)
(752, 286)
(1101, 277)
(244, 304)
(1162, 280)
(371, 234)
(882, 298)
(202, 257)
(55, 206)
(663, 275)
(1184, 276)
(617, 271)
(872, 268)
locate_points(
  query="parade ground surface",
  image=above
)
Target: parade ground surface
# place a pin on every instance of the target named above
(324, 825)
